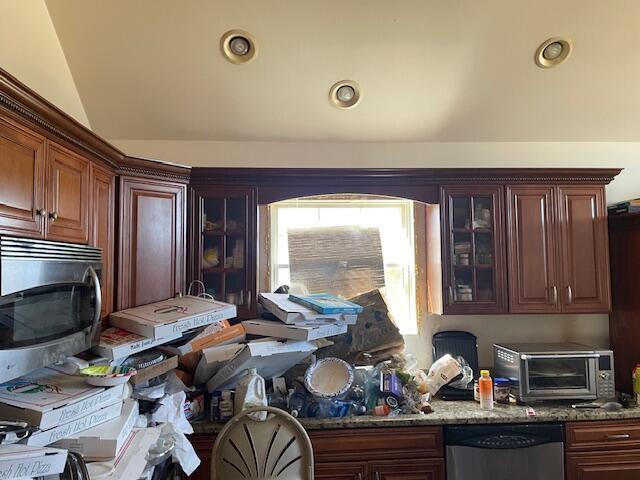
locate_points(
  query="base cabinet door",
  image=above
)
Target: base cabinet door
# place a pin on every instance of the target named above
(406, 469)
(621, 465)
(341, 471)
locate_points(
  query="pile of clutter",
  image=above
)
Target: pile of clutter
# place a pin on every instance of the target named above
(106, 407)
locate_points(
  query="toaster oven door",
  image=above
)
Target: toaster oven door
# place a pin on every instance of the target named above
(557, 376)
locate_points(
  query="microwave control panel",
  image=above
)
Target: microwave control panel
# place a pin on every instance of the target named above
(606, 378)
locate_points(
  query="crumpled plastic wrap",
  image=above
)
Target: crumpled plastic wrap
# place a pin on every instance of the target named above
(182, 452)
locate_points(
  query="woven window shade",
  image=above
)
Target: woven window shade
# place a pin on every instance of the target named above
(343, 261)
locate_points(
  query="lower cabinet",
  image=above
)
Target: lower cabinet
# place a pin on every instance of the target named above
(341, 471)
(607, 450)
(389, 453)
(603, 465)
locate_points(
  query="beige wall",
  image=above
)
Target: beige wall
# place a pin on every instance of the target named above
(31, 52)
(591, 329)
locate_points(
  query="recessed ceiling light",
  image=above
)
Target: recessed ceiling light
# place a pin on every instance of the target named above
(238, 46)
(345, 94)
(553, 52)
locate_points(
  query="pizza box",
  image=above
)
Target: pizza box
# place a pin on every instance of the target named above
(132, 459)
(174, 315)
(47, 437)
(104, 441)
(310, 330)
(271, 358)
(46, 398)
(289, 311)
(153, 371)
(21, 461)
(115, 343)
(220, 333)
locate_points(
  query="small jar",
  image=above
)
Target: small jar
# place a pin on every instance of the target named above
(501, 390)
(476, 391)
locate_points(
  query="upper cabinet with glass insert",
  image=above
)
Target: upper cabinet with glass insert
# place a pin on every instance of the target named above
(473, 256)
(223, 244)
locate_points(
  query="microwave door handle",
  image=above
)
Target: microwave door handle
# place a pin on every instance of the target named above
(98, 291)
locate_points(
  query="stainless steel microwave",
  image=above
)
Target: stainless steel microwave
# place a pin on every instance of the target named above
(555, 371)
(50, 302)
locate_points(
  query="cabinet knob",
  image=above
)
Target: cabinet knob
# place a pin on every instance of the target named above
(41, 212)
(53, 216)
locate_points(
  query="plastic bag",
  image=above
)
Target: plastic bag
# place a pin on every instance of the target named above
(443, 370)
(466, 375)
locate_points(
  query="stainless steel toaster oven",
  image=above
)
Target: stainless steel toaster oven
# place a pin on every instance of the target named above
(555, 371)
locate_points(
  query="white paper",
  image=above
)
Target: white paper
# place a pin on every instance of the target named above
(183, 452)
(171, 410)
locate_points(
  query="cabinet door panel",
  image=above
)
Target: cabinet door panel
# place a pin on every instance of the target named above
(103, 213)
(585, 262)
(623, 465)
(67, 195)
(473, 253)
(340, 471)
(22, 162)
(152, 238)
(407, 470)
(531, 239)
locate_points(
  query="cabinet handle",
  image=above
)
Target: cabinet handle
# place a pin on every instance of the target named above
(359, 476)
(570, 294)
(450, 295)
(53, 216)
(554, 291)
(249, 298)
(41, 212)
(622, 436)
(376, 476)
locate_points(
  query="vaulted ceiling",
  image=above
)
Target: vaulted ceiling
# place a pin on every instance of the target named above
(429, 70)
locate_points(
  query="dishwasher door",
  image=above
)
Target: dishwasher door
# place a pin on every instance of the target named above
(505, 452)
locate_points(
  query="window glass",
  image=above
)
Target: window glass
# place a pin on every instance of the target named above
(347, 246)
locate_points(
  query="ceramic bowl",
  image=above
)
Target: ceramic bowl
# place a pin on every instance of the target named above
(329, 378)
(105, 376)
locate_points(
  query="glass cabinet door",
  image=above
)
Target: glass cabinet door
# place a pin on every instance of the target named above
(473, 260)
(225, 261)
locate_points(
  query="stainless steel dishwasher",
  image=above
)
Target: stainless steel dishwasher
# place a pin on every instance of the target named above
(505, 452)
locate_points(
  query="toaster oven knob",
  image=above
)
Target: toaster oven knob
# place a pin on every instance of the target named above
(605, 375)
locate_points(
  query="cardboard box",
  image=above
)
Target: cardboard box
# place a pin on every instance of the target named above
(175, 315)
(271, 359)
(47, 437)
(311, 330)
(224, 334)
(132, 459)
(22, 461)
(291, 312)
(106, 440)
(153, 371)
(46, 398)
(115, 343)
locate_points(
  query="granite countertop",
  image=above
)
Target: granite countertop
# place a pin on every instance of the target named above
(458, 413)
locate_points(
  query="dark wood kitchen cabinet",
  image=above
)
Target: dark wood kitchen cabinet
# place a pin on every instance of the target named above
(102, 232)
(557, 249)
(624, 321)
(67, 193)
(417, 469)
(608, 450)
(341, 471)
(152, 236)
(223, 244)
(534, 277)
(473, 253)
(22, 163)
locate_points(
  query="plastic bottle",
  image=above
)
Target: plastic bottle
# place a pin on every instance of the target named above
(485, 387)
(251, 392)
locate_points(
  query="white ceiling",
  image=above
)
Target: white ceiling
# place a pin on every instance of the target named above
(434, 71)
